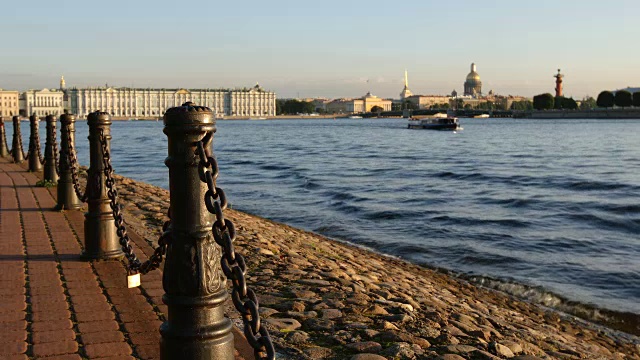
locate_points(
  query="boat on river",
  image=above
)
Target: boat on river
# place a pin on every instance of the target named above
(435, 123)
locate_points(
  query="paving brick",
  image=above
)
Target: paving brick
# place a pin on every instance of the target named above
(12, 347)
(52, 325)
(144, 326)
(12, 305)
(145, 338)
(41, 337)
(13, 335)
(91, 290)
(102, 337)
(82, 307)
(138, 316)
(55, 348)
(48, 298)
(16, 357)
(51, 306)
(51, 315)
(95, 316)
(98, 326)
(148, 351)
(11, 316)
(14, 325)
(65, 357)
(107, 349)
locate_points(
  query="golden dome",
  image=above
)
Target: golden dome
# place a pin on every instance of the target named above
(473, 76)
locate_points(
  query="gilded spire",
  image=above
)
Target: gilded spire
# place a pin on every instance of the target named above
(63, 85)
(406, 79)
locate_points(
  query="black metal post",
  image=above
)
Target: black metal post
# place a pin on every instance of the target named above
(50, 156)
(194, 284)
(16, 146)
(100, 238)
(67, 198)
(4, 149)
(34, 144)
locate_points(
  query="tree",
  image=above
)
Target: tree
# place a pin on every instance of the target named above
(522, 105)
(562, 102)
(636, 99)
(543, 101)
(587, 103)
(623, 98)
(605, 99)
(279, 104)
(377, 109)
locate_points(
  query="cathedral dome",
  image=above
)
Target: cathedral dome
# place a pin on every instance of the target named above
(473, 76)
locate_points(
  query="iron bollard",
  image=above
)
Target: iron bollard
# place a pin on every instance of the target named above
(16, 146)
(4, 149)
(194, 284)
(100, 238)
(34, 144)
(50, 151)
(67, 198)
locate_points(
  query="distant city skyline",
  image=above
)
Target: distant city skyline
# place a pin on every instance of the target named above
(323, 49)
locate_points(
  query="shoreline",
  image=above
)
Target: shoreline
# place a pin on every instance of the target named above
(324, 296)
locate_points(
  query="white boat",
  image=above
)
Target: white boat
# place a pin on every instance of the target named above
(435, 123)
(355, 117)
(481, 116)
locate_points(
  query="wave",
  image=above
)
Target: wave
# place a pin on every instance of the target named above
(620, 320)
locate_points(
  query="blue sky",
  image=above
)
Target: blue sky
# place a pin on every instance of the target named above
(324, 48)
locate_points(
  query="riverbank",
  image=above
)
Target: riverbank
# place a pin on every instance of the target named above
(585, 114)
(325, 299)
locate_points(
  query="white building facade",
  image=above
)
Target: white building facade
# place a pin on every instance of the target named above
(43, 102)
(131, 102)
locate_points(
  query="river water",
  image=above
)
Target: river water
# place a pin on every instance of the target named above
(548, 210)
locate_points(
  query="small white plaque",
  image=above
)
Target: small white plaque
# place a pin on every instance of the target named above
(133, 280)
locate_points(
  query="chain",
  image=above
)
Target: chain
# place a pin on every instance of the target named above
(4, 135)
(37, 139)
(55, 148)
(20, 144)
(34, 146)
(73, 164)
(134, 265)
(233, 264)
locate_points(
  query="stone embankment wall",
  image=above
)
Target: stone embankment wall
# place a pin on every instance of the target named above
(587, 114)
(322, 299)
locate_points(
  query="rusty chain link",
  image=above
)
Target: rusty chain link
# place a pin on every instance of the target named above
(233, 264)
(72, 160)
(134, 264)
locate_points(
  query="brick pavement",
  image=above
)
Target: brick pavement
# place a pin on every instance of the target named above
(55, 305)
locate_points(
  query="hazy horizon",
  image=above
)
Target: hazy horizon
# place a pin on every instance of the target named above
(327, 49)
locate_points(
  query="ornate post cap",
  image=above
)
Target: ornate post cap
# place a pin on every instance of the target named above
(98, 118)
(189, 115)
(67, 118)
(16, 118)
(50, 118)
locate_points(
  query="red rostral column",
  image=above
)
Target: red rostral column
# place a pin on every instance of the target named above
(558, 77)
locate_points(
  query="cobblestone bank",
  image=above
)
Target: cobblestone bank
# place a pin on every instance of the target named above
(322, 299)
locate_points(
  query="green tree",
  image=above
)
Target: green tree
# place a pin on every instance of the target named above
(636, 99)
(587, 103)
(522, 105)
(605, 99)
(293, 107)
(377, 109)
(279, 104)
(623, 99)
(458, 104)
(562, 102)
(543, 101)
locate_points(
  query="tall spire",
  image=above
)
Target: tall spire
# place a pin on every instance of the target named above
(405, 92)
(63, 85)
